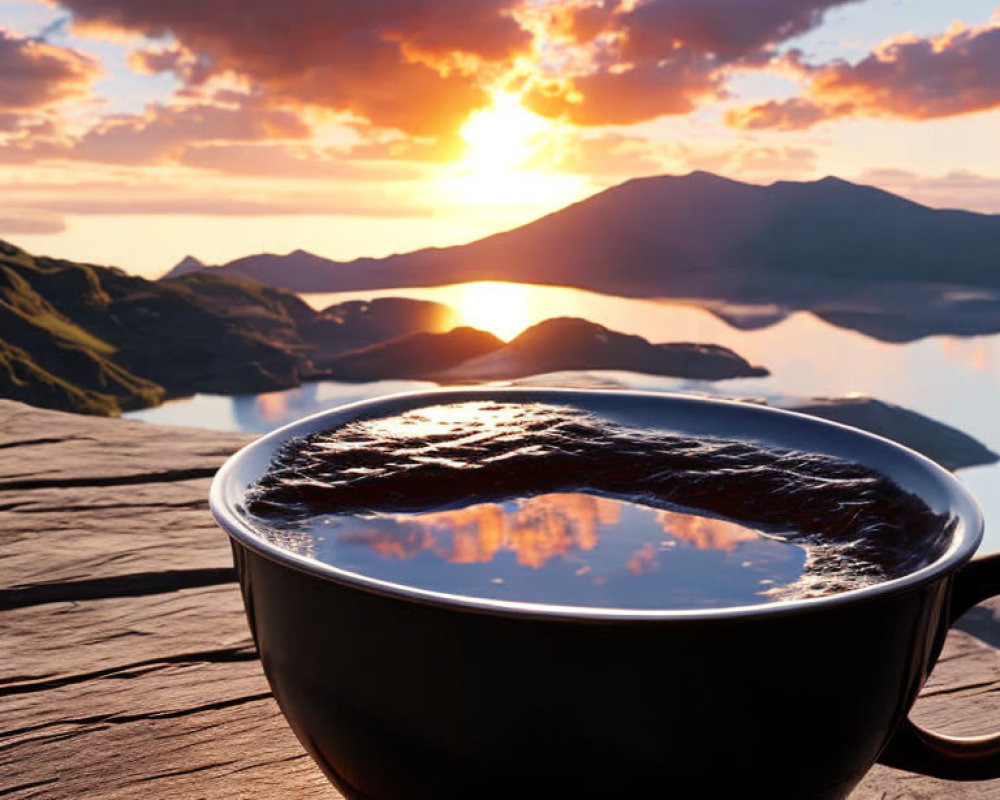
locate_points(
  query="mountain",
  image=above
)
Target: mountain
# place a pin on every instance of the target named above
(94, 339)
(416, 355)
(48, 359)
(857, 256)
(355, 324)
(186, 266)
(693, 235)
(568, 343)
(23, 379)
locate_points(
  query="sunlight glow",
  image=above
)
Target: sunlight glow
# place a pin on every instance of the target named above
(500, 308)
(508, 148)
(505, 135)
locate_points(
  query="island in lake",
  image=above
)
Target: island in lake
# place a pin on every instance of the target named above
(563, 343)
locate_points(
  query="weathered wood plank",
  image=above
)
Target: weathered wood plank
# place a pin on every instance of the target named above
(60, 640)
(86, 534)
(191, 734)
(962, 697)
(128, 669)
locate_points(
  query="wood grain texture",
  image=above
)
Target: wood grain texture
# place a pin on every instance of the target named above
(127, 667)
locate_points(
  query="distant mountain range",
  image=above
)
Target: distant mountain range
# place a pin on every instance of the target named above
(93, 339)
(855, 255)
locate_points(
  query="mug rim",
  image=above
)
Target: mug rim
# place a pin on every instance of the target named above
(225, 494)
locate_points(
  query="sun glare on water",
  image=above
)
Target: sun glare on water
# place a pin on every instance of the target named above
(499, 308)
(507, 148)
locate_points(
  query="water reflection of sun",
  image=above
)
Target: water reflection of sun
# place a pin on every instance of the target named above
(500, 308)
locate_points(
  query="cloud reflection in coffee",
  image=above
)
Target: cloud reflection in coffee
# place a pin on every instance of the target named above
(550, 504)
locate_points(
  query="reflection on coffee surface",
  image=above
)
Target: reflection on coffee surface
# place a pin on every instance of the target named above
(549, 504)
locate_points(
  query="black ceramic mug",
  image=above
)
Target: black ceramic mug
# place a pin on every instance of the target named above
(401, 693)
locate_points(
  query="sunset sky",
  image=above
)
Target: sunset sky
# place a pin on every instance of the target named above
(134, 132)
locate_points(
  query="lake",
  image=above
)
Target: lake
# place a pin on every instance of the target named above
(955, 380)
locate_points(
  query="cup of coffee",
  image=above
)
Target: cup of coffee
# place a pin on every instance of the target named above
(484, 593)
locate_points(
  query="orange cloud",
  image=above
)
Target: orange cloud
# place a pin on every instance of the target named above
(21, 223)
(728, 31)
(160, 134)
(538, 530)
(958, 189)
(415, 65)
(911, 78)
(278, 160)
(705, 533)
(192, 69)
(785, 115)
(775, 160)
(662, 57)
(632, 94)
(229, 196)
(610, 155)
(421, 66)
(35, 74)
(438, 150)
(163, 131)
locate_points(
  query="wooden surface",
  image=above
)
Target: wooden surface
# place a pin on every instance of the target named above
(127, 668)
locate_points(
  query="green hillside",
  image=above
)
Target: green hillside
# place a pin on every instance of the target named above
(96, 340)
(22, 379)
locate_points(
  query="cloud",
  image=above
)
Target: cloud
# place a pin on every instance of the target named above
(785, 115)
(438, 150)
(958, 189)
(24, 223)
(631, 95)
(190, 68)
(224, 197)
(35, 74)
(659, 57)
(226, 132)
(955, 73)
(415, 65)
(164, 131)
(208, 132)
(285, 161)
(11, 121)
(151, 62)
(421, 66)
(232, 206)
(730, 31)
(772, 161)
(610, 156)
(756, 162)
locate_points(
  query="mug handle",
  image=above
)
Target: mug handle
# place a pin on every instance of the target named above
(956, 758)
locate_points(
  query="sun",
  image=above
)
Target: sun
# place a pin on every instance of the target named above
(499, 308)
(508, 160)
(505, 135)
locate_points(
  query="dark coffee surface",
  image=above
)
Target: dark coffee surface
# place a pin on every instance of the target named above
(550, 504)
